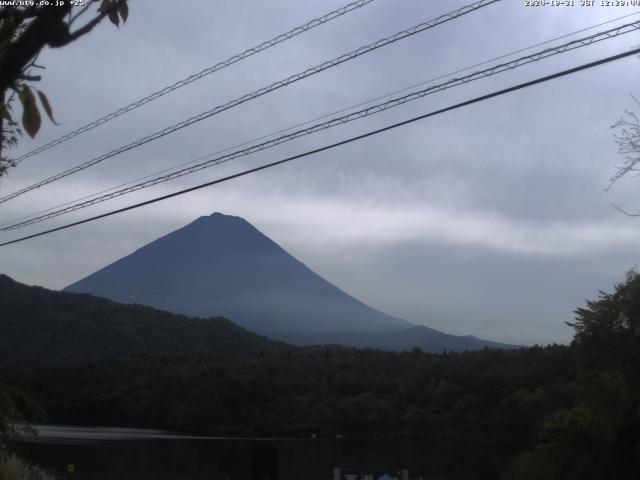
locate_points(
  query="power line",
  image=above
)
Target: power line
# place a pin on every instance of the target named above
(454, 82)
(337, 144)
(307, 122)
(262, 91)
(197, 76)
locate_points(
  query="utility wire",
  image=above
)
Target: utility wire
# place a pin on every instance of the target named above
(307, 122)
(454, 82)
(197, 76)
(262, 91)
(243, 173)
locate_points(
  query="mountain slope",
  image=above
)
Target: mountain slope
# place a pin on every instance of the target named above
(42, 324)
(222, 265)
(426, 338)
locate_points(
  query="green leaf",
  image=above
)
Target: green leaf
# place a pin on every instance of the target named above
(47, 106)
(30, 115)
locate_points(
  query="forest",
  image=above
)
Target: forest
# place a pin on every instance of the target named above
(39, 324)
(575, 409)
(326, 392)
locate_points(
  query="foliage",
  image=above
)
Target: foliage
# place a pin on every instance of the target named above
(611, 322)
(41, 324)
(600, 436)
(73, 354)
(576, 439)
(25, 29)
(628, 139)
(14, 468)
(531, 464)
(16, 409)
(327, 391)
(579, 404)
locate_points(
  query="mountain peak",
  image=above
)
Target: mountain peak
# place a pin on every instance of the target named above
(217, 219)
(217, 216)
(222, 265)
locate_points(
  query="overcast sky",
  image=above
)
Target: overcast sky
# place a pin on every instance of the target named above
(491, 220)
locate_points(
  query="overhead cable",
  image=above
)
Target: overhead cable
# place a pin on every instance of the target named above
(381, 107)
(262, 91)
(307, 122)
(504, 91)
(197, 76)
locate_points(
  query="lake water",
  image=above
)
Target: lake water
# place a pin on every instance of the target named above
(122, 454)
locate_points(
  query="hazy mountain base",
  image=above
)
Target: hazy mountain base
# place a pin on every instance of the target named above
(42, 324)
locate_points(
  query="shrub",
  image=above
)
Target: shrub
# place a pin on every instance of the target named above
(14, 468)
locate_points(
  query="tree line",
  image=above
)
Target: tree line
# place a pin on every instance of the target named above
(575, 409)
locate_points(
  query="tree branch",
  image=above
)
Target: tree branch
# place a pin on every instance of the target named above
(45, 28)
(627, 213)
(82, 11)
(90, 25)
